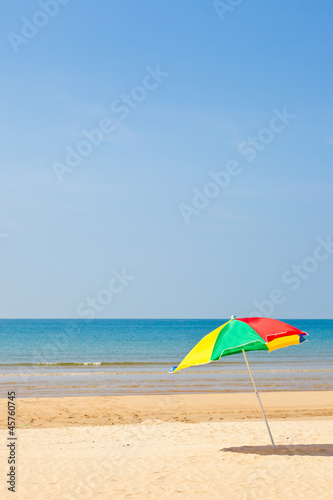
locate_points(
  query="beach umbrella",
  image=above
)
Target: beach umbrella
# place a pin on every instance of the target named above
(241, 335)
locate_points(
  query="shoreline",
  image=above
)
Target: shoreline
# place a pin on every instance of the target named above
(94, 394)
(67, 411)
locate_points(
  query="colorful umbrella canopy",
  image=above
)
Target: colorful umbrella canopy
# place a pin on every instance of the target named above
(236, 335)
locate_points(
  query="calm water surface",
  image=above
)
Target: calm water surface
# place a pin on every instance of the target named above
(112, 357)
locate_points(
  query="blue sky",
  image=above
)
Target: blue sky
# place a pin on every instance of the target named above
(119, 209)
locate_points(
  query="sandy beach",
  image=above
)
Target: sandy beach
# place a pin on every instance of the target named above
(185, 446)
(189, 408)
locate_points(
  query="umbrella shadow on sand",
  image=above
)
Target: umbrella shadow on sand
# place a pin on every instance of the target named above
(314, 450)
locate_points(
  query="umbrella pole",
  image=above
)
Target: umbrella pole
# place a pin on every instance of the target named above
(257, 394)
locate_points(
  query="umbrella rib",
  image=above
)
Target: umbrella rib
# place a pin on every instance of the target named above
(238, 347)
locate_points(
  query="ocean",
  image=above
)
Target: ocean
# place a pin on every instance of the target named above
(115, 357)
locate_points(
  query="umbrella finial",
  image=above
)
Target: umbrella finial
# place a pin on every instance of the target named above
(233, 317)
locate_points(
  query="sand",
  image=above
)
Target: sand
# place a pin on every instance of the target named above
(107, 410)
(134, 447)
